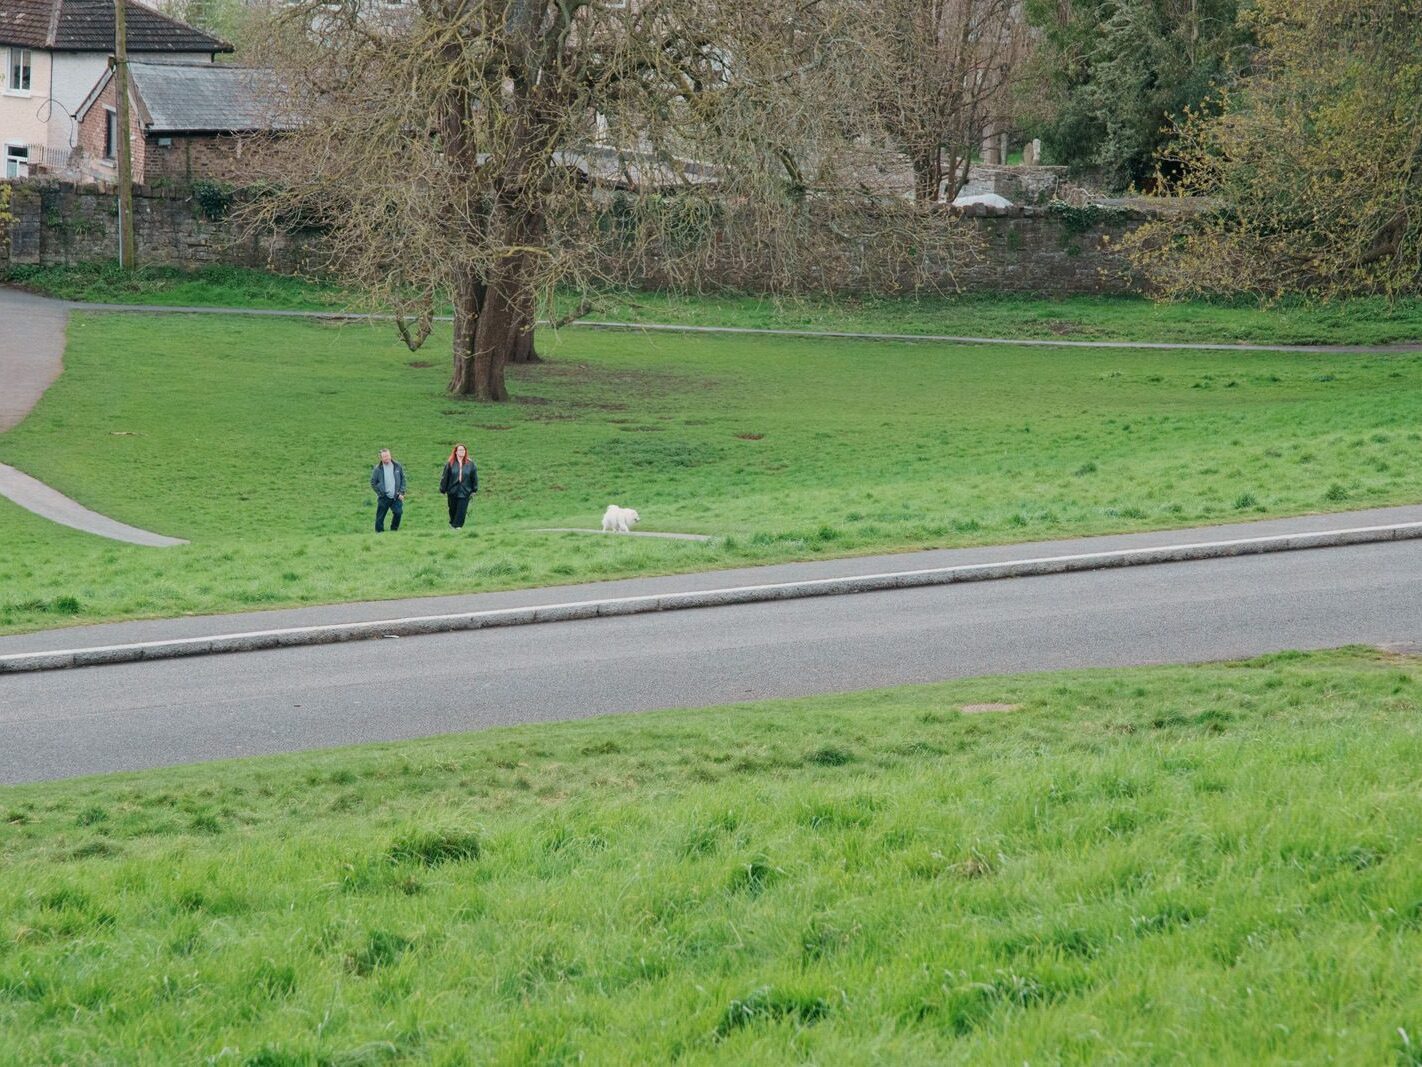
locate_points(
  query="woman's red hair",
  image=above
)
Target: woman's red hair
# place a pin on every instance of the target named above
(454, 453)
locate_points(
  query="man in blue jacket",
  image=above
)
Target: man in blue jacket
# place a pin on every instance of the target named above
(388, 481)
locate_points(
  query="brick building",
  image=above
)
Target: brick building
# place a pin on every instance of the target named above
(53, 50)
(186, 123)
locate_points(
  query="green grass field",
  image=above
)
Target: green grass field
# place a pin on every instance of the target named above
(205, 287)
(1206, 865)
(1361, 321)
(254, 439)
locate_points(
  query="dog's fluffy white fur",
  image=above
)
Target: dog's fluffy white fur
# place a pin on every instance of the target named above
(619, 520)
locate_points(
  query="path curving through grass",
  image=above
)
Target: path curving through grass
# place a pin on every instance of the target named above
(254, 438)
(31, 357)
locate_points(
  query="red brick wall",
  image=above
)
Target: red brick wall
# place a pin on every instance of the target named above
(217, 156)
(91, 141)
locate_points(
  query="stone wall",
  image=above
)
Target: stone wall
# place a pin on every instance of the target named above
(57, 223)
(1050, 250)
(1018, 183)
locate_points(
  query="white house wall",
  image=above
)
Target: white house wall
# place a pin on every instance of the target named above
(22, 116)
(76, 73)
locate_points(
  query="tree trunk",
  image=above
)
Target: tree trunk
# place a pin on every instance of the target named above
(469, 297)
(535, 230)
(494, 315)
(956, 173)
(493, 326)
(927, 175)
(496, 335)
(523, 350)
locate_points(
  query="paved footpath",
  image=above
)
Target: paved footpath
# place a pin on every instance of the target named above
(33, 495)
(31, 351)
(31, 357)
(136, 715)
(845, 335)
(191, 626)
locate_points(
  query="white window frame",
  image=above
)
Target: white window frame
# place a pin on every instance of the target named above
(26, 59)
(17, 165)
(111, 135)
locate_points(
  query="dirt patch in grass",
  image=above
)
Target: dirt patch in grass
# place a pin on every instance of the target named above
(980, 709)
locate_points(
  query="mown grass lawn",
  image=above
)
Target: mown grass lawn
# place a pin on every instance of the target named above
(1100, 318)
(254, 439)
(1214, 865)
(214, 286)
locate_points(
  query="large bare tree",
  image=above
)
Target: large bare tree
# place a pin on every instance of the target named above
(942, 70)
(466, 151)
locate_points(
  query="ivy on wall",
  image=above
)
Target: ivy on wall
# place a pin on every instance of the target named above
(213, 198)
(6, 215)
(1076, 221)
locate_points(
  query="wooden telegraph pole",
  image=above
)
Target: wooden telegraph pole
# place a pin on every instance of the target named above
(124, 147)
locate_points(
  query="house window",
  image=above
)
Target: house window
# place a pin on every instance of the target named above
(17, 161)
(110, 133)
(17, 71)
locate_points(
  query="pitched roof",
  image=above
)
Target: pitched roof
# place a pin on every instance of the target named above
(88, 26)
(201, 98)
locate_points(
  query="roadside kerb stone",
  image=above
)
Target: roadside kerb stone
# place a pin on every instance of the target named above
(750, 594)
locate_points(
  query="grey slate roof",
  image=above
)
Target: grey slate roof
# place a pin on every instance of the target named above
(88, 26)
(201, 98)
(188, 97)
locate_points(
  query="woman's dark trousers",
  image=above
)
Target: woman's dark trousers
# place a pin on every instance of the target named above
(458, 506)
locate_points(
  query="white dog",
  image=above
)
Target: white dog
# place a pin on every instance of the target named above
(618, 520)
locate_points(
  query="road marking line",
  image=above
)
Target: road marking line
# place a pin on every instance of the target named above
(258, 640)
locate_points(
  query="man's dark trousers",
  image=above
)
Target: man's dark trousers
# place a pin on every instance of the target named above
(458, 508)
(394, 506)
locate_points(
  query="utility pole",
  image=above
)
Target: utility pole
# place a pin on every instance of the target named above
(124, 147)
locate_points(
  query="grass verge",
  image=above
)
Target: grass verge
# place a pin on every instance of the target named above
(1216, 864)
(1083, 318)
(253, 439)
(211, 286)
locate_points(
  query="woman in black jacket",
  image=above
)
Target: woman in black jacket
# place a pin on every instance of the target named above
(458, 483)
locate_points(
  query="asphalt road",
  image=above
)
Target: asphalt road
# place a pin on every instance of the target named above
(67, 723)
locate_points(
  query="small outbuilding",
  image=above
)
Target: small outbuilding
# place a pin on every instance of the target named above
(187, 122)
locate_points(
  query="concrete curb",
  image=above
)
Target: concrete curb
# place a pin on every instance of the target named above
(750, 594)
